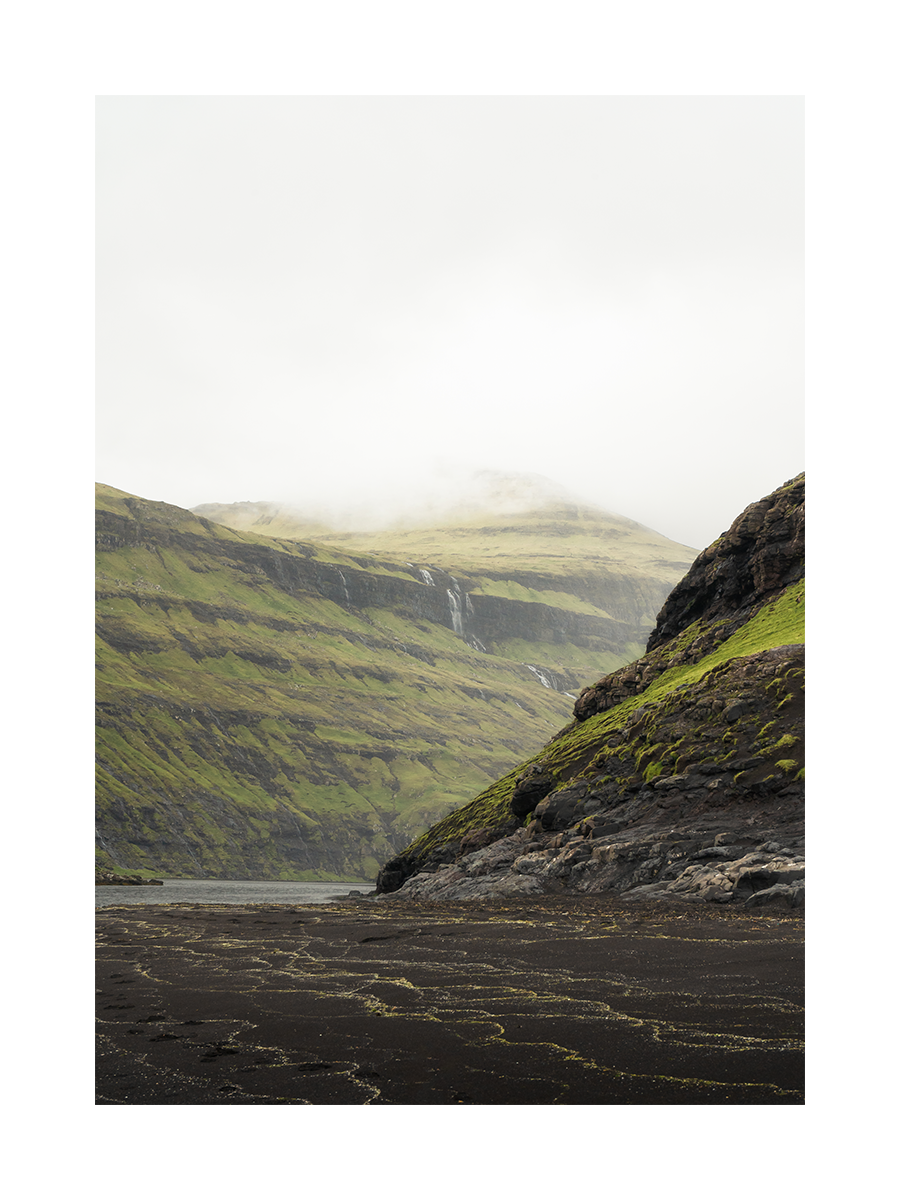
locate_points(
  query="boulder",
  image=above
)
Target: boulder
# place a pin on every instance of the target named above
(492, 858)
(561, 809)
(531, 864)
(784, 895)
(699, 882)
(532, 786)
(736, 710)
(563, 863)
(664, 782)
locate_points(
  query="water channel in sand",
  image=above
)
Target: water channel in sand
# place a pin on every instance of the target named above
(227, 891)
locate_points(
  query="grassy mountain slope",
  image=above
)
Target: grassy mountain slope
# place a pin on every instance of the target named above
(275, 708)
(561, 556)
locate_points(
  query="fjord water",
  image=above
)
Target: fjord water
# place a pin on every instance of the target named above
(226, 891)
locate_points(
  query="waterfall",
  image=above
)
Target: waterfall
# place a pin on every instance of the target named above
(460, 606)
(546, 679)
(344, 585)
(461, 610)
(455, 611)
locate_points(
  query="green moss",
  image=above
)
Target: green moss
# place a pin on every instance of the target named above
(785, 742)
(647, 757)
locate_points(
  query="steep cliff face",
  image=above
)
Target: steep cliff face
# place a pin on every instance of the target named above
(274, 708)
(682, 773)
(558, 576)
(761, 554)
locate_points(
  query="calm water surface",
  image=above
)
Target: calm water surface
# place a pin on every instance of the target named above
(227, 891)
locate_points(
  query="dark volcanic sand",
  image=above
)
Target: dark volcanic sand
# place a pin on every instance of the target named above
(550, 1001)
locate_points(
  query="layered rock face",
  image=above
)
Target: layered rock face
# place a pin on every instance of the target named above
(682, 775)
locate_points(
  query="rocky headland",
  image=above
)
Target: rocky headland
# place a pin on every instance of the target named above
(681, 777)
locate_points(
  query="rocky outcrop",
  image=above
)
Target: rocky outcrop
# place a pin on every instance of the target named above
(110, 878)
(696, 794)
(690, 865)
(761, 554)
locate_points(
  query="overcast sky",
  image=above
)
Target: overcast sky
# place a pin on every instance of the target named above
(346, 301)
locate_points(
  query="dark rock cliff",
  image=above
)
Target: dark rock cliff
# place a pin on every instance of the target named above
(757, 558)
(761, 554)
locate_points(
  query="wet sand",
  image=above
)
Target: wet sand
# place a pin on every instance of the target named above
(560, 1000)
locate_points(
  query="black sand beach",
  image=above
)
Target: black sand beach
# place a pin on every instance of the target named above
(554, 1001)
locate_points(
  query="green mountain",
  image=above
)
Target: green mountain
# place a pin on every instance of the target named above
(301, 708)
(682, 772)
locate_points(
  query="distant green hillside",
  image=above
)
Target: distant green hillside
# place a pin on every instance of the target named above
(274, 708)
(563, 555)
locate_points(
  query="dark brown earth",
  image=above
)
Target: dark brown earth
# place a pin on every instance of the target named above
(558, 1000)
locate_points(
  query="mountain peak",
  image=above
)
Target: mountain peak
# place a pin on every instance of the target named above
(448, 495)
(508, 493)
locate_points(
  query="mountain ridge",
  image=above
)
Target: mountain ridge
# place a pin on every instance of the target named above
(453, 499)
